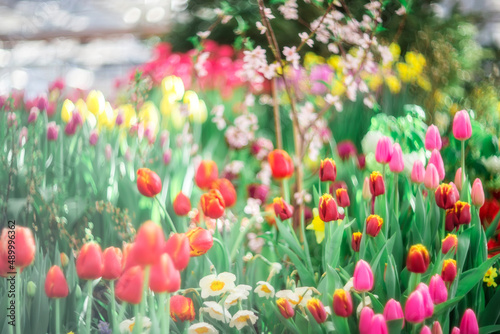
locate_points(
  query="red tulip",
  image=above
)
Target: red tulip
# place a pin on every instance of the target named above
(182, 204)
(282, 209)
(356, 241)
(342, 197)
(281, 164)
(212, 204)
(449, 271)
(164, 277)
(342, 303)
(181, 308)
(327, 170)
(55, 283)
(374, 225)
(377, 186)
(327, 208)
(285, 307)
(315, 306)
(129, 285)
(177, 246)
(112, 259)
(148, 182)
(200, 241)
(418, 259)
(148, 244)
(226, 188)
(451, 241)
(89, 261)
(206, 173)
(445, 196)
(19, 244)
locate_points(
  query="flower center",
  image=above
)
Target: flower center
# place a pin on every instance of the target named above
(131, 327)
(201, 330)
(265, 289)
(217, 285)
(243, 318)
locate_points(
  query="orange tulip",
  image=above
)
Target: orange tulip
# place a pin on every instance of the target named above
(149, 243)
(112, 269)
(200, 241)
(148, 182)
(129, 286)
(177, 246)
(226, 188)
(89, 261)
(164, 277)
(206, 173)
(212, 204)
(18, 244)
(55, 283)
(182, 204)
(181, 308)
(281, 164)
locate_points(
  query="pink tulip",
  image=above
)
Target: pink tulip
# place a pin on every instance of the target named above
(418, 172)
(414, 308)
(436, 328)
(94, 137)
(455, 330)
(469, 325)
(393, 311)
(425, 330)
(396, 165)
(23, 136)
(379, 326)
(437, 289)
(428, 303)
(437, 161)
(477, 193)
(365, 320)
(108, 151)
(431, 179)
(458, 178)
(366, 189)
(433, 138)
(383, 152)
(52, 131)
(120, 118)
(462, 129)
(167, 156)
(33, 115)
(363, 276)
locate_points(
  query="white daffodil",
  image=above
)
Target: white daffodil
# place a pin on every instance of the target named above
(216, 285)
(289, 295)
(242, 318)
(264, 289)
(216, 311)
(240, 292)
(202, 328)
(368, 302)
(304, 293)
(349, 286)
(127, 326)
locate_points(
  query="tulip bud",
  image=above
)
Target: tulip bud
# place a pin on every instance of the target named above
(374, 225)
(469, 324)
(458, 179)
(33, 115)
(460, 214)
(393, 311)
(149, 243)
(365, 320)
(177, 246)
(433, 138)
(379, 325)
(148, 182)
(89, 261)
(315, 306)
(418, 259)
(167, 156)
(182, 204)
(346, 149)
(281, 164)
(206, 173)
(285, 307)
(200, 241)
(397, 165)
(451, 241)
(327, 170)
(383, 152)
(462, 129)
(425, 330)
(31, 289)
(449, 271)
(95, 102)
(436, 328)
(327, 208)
(24, 250)
(455, 330)
(445, 196)
(437, 289)
(270, 215)
(258, 191)
(342, 197)
(112, 263)
(437, 161)
(477, 193)
(226, 188)
(342, 303)
(428, 303)
(120, 118)
(94, 137)
(356, 241)
(129, 285)
(23, 136)
(377, 186)
(212, 204)
(366, 189)
(418, 172)
(181, 308)
(52, 131)
(70, 128)
(431, 179)
(363, 276)
(164, 277)
(414, 308)
(282, 209)
(55, 283)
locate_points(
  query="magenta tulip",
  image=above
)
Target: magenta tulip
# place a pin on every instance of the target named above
(437, 161)
(414, 308)
(393, 311)
(396, 165)
(477, 193)
(431, 179)
(383, 152)
(469, 325)
(433, 138)
(363, 276)
(418, 172)
(437, 289)
(428, 303)
(462, 129)
(365, 320)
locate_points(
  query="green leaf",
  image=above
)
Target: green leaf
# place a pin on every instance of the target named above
(475, 275)
(305, 275)
(290, 240)
(493, 227)
(492, 312)
(489, 329)
(394, 326)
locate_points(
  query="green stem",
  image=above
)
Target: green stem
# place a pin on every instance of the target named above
(17, 301)
(463, 163)
(396, 199)
(89, 307)
(167, 311)
(113, 304)
(168, 218)
(363, 294)
(58, 322)
(142, 305)
(161, 309)
(239, 240)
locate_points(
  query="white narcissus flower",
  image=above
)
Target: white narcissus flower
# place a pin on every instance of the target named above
(216, 311)
(202, 327)
(349, 286)
(240, 292)
(289, 295)
(127, 326)
(216, 285)
(276, 267)
(241, 318)
(264, 289)
(304, 293)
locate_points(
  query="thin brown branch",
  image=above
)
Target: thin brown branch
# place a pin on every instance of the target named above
(328, 10)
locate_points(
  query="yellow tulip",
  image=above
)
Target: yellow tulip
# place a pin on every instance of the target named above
(393, 83)
(173, 87)
(129, 115)
(95, 102)
(107, 117)
(81, 106)
(177, 119)
(149, 115)
(199, 115)
(395, 50)
(338, 88)
(67, 110)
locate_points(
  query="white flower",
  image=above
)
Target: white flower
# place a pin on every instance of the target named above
(226, 19)
(370, 140)
(302, 197)
(234, 167)
(289, 295)
(276, 267)
(200, 64)
(241, 319)
(248, 256)
(333, 48)
(260, 27)
(492, 164)
(334, 101)
(216, 285)
(240, 292)
(292, 56)
(254, 243)
(349, 286)
(264, 289)
(202, 328)
(216, 311)
(304, 37)
(127, 326)
(289, 10)
(253, 207)
(268, 13)
(304, 293)
(269, 71)
(368, 302)
(401, 11)
(203, 34)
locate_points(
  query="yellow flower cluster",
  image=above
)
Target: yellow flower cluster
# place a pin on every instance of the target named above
(411, 71)
(489, 277)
